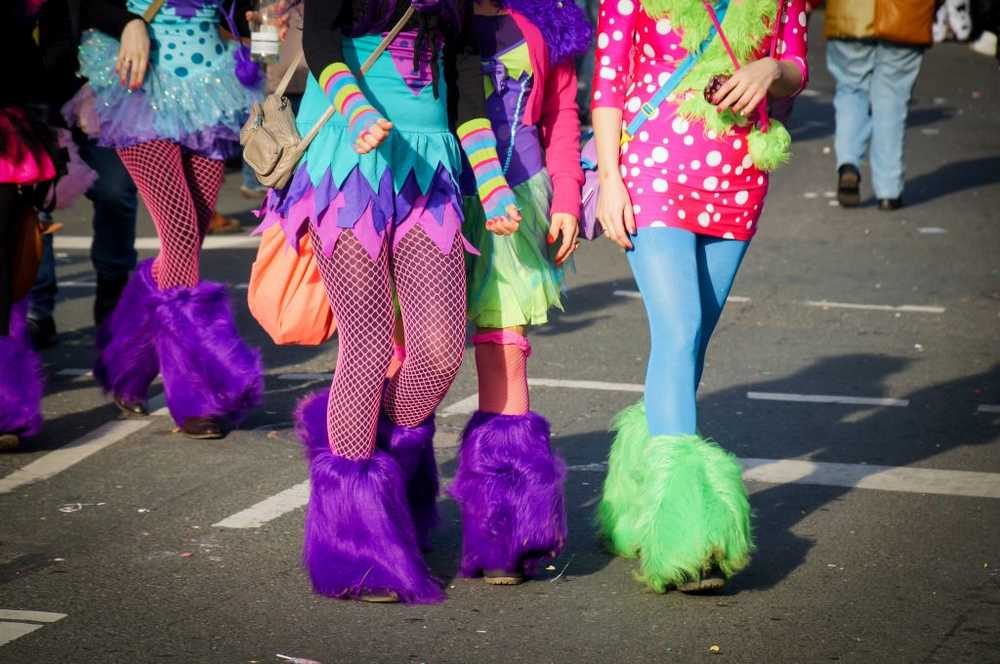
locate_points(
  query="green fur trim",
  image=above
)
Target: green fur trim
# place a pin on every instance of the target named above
(678, 502)
(746, 25)
(618, 513)
(772, 149)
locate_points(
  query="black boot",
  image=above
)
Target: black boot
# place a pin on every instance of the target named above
(109, 291)
(848, 185)
(42, 332)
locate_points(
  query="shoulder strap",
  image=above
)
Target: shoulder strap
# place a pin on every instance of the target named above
(384, 44)
(650, 107)
(152, 10)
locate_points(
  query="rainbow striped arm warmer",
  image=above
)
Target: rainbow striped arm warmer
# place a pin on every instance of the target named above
(480, 145)
(342, 88)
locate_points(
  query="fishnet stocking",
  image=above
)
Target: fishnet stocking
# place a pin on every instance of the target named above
(503, 378)
(431, 290)
(359, 292)
(179, 189)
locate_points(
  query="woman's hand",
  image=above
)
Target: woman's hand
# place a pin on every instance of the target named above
(373, 136)
(748, 86)
(614, 211)
(567, 226)
(133, 54)
(506, 224)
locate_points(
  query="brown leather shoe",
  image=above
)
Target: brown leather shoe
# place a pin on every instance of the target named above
(201, 428)
(9, 442)
(499, 577)
(132, 408)
(220, 225)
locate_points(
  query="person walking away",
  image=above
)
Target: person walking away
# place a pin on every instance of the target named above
(874, 50)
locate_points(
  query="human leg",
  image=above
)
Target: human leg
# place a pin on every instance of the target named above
(671, 498)
(112, 250)
(718, 262)
(896, 70)
(360, 540)
(851, 64)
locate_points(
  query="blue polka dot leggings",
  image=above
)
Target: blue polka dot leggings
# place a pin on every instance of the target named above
(684, 279)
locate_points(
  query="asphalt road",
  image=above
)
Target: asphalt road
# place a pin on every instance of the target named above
(877, 515)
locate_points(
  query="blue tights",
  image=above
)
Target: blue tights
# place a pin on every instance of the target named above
(684, 279)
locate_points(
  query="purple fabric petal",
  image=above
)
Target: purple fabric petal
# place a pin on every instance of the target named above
(20, 379)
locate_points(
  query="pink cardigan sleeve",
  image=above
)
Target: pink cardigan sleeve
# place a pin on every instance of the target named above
(559, 126)
(791, 45)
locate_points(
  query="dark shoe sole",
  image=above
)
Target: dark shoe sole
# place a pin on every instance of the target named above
(208, 435)
(9, 442)
(703, 585)
(132, 410)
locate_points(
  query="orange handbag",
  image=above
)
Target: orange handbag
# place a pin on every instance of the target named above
(286, 294)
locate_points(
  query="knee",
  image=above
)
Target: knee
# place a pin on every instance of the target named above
(439, 363)
(677, 339)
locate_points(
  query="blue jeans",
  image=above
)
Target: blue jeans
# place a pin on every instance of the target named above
(112, 250)
(874, 83)
(684, 279)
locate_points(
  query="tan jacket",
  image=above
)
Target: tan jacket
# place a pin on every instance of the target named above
(897, 21)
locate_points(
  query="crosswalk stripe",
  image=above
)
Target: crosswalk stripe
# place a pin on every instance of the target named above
(11, 631)
(32, 616)
(269, 508)
(828, 398)
(64, 242)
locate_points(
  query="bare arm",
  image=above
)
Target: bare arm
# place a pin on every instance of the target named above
(614, 207)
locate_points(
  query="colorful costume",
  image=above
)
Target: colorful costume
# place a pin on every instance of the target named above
(509, 484)
(697, 182)
(172, 134)
(384, 222)
(26, 149)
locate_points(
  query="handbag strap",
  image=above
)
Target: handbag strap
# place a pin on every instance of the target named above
(650, 107)
(152, 10)
(365, 66)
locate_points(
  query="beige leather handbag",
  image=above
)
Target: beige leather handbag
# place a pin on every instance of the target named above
(271, 143)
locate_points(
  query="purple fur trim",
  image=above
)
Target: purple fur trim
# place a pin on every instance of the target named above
(413, 450)
(359, 536)
(509, 487)
(126, 353)
(564, 26)
(208, 371)
(20, 379)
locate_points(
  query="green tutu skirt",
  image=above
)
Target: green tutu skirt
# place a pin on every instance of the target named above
(514, 280)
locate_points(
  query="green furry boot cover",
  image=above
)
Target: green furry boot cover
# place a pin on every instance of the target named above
(619, 514)
(696, 514)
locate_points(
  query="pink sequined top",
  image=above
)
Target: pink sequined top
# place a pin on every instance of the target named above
(677, 173)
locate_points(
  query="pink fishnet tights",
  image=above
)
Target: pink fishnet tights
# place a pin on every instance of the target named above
(431, 291)
(503, 378)
(179, 189)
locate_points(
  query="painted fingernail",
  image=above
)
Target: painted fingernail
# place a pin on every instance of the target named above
(551, 239)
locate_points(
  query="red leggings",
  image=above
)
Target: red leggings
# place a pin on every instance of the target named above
(431, 291)
(179, 189)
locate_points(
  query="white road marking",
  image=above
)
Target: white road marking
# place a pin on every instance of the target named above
(828, 398)
(152, 243)
(11, 630)
(469, 403)
(78, 284)
(307, 375)
(988, 408)
(638, 296)
(32, 616)
(903, 308)
(74, 372)
(463, 407)
(862, 476)
(269, 508)
(931, 230)
(59, 460)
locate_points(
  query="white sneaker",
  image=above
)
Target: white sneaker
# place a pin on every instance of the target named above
(986, 44)
(959, 18)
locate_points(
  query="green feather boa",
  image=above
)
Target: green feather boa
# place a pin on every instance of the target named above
(747, 24)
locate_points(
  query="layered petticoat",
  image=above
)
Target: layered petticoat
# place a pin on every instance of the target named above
(202, 109)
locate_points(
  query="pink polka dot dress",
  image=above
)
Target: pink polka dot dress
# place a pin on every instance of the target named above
(677, 173)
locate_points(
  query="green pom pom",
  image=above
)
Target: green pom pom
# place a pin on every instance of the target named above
(769, 150)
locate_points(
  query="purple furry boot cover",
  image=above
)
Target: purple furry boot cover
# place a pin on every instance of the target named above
(20, 379)
(413, 450)
(208, 371)
(126, 350)
(509, 487)
(359, 535)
